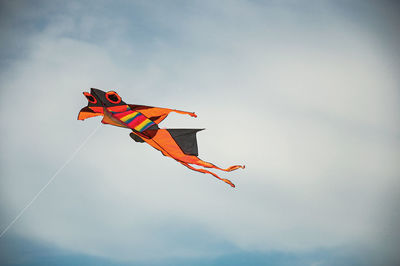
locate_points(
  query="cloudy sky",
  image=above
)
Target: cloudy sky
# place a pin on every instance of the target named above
(304, 93)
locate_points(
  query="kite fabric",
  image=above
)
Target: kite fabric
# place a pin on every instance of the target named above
(178, 144)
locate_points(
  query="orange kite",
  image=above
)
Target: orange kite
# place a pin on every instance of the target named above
(179, 144)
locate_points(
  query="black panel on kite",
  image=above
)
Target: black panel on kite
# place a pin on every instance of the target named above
(186, 140)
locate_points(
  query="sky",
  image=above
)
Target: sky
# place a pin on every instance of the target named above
(304, 93)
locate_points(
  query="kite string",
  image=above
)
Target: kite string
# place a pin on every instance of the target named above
(71, 157)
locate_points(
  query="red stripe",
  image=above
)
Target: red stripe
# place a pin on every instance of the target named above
(137, 121)
(120, 115)
(97, 109)
(118, 108)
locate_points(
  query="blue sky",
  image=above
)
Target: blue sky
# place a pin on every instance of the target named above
(305, 94)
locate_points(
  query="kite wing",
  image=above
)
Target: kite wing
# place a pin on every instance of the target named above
(157, 114)
(86, 112)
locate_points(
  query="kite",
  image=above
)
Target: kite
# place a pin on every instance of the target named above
(178, 144)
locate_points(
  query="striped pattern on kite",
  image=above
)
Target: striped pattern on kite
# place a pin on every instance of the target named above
(134, 120)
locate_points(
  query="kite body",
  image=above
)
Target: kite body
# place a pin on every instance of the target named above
(178, 144)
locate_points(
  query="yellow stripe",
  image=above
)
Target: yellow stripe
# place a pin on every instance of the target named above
(142, 125)
(127, 117)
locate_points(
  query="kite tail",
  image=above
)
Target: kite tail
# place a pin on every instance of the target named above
(192, 114)
(210, 165)
(208, 172)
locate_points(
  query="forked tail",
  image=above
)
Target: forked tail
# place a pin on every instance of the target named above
(208, 172)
